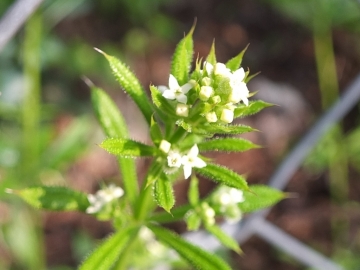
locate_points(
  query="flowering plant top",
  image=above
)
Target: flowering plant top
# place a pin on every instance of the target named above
(186, 119)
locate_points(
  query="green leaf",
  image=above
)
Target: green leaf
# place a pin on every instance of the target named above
(235, 62)
(114, 125)
(211, 58)
(182, 58)
(254, 107)
(225, 239)
(107, 253)
(127, 148)
(223, 175)
(177, 213)
(53, 198)
(193, 192)
(260, 197)
(130, 84)
(248, 77)
(224, 129)
(164, 193)
(227, 144)
(196, 256)
(155, 132)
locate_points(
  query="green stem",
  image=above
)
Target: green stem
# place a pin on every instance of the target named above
(32, 96)
(326, 66)
(123, 260)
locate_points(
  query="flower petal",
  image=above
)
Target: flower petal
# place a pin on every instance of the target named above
(173, 83)
(186, 87)
(181, 98)
(199, 163)
(194, 151)
(162, 88)
(187, 171)
(168, 94)
(239, 74)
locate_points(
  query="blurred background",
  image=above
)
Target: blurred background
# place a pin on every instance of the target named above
(308, 52)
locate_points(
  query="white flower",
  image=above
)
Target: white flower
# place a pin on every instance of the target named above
(191, 160)
(228, 199)
(175, 91)
(227, 116)
(206, 92)
(239, 88)
(102, 197)
(211, 117)
(182, 110)
(219, 69)
(174, 159)
(165, 146)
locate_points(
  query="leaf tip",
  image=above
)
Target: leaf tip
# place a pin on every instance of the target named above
(99, 51)
(9, 191)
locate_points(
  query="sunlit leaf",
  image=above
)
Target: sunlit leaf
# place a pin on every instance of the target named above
(223, 129)
(53, 198)
(196, 256)
(193, 192)
(211, 58)
(223, 175)
(127, 148)
(130, 84)
(235, 62)
(163, 193)
(225, 239)
(182, 58)
(227, 144)
(254, 107)
(260, 197)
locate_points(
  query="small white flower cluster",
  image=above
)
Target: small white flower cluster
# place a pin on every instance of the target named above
(238, 91)
(188, 161)
(178, 93)
(103, 197)
(228, 198)
(219, 88)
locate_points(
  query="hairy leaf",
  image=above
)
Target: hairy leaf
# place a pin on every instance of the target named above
(196, 256)
(225, 239)
(163, 193)
(182, 58)
(114, 125)
(211, 58)
(53, 198)
(235, 62)
(224, 129)
(227, 144)
(108, 252)
(223, 175)
(127, 148)
(260, 197)
(155, 132)
(254, 107)
(130, 84)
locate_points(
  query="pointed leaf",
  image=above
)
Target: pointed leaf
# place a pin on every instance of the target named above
(227, 144)
(130, 84)
(223, 129)
(114, 125)
(260, 197)
(196, 256)
(53, 198)
(127, 148)
(108, 252)
(249, 78)
(225, 239)
(235, 62)
(193, 192)
(155, 132)
(223, 175)
(164, 193)
(254, 107)
(211, 58)
(182, 58)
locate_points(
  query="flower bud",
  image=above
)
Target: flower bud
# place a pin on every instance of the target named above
(211, 117)
(216, 99)
(227, 116)
(206, 92)
(206, 81)
(182, 110)
(165, 146)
